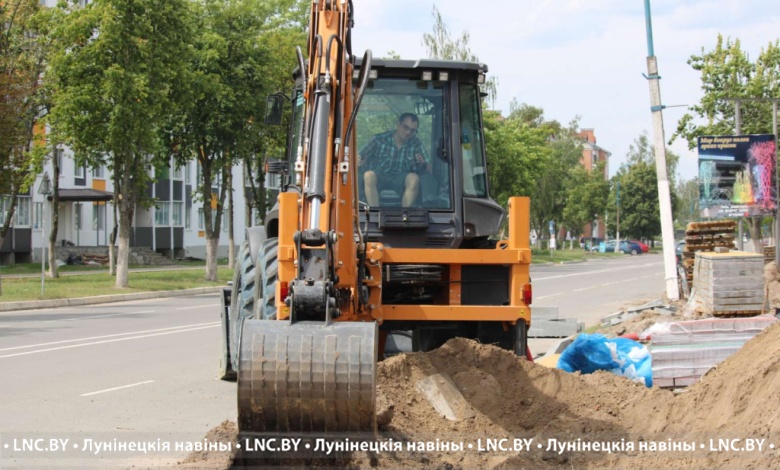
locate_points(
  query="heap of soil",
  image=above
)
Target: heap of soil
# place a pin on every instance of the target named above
(512, 398)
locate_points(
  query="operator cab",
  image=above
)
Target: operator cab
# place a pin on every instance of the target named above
(452, 204)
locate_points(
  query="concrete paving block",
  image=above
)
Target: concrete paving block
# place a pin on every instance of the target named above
(444, 396)
(544, 313)
(553, 328)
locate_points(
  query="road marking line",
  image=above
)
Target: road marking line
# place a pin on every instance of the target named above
(109, 336)
(197, 306)
(4, 326)
(116, 388)
(96, 316)
(535, 279)
(37, 310)
(107, 341)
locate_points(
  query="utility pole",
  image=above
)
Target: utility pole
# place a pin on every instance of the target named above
(664, 198)
(617, 221)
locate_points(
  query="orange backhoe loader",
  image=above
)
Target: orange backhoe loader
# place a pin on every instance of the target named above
(320, 285)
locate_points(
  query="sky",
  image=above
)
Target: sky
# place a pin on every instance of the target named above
(581, 58)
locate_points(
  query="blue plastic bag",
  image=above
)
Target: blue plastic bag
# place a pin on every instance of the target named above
(621, 356)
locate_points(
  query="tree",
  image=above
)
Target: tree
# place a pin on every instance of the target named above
(639, 209)
(441, 45)
(726, 74)
(116, 73)
(23, 49)
(586, 197)
(687, 192)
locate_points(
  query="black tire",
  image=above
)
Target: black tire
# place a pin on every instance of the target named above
(246, 285)
(269, 272)
(633, 252)
(520, 338)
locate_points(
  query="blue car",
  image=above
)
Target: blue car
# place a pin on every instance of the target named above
(626, 247)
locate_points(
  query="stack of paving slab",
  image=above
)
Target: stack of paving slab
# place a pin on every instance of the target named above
(684, 351)
(729, 283)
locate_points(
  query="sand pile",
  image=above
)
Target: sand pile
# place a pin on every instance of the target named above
(512, 398)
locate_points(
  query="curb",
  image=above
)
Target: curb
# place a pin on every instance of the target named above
(104, 299)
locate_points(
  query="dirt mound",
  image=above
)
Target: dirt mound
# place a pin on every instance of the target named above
(514, 399)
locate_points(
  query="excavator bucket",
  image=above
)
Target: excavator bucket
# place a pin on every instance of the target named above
(307, 378)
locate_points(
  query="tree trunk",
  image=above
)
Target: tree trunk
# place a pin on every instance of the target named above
(54, 271)
(123, 255)
(112, 238)
(212, 244)
(231, 236)
(249, 200)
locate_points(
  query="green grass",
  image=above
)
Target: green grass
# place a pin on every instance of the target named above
(560, 256)
(101, 284)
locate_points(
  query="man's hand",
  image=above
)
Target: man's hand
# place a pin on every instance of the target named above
(420, 159)
(359, 160)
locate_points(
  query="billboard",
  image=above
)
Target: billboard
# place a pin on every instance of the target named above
(737, 176)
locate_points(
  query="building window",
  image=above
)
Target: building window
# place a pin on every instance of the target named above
(23, 211)
(178, 213)
(99, 172)
(98, 217)
(78, 171)
(187, 223)
(200, 219)
(177, 172)
(161, 214)
(38, 215)
(187, 168)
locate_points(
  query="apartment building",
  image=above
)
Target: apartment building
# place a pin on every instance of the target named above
(173, 226)
(592, 155)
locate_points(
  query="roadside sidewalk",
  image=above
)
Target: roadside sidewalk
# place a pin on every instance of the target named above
(104, 299)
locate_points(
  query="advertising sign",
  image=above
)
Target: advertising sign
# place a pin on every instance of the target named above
(737, 176)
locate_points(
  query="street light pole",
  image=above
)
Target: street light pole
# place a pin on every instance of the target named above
(45, 190)
(664, 197)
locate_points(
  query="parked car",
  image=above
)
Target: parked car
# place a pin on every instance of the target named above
(626, 247)
(678, 251)
(641, 245)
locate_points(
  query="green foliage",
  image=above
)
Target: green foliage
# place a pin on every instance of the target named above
(116, 74)
(637, 190)
(24, 44)
(586, 197)
(688, 203)
(441, 45)
(726, 74)
(516, 152)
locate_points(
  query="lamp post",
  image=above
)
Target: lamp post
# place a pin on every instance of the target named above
(45, 190)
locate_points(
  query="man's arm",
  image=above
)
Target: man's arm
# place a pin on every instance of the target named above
(367, 154)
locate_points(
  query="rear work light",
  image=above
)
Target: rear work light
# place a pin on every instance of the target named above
(527, 294)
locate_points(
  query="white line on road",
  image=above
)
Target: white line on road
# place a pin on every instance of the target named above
(116, 388)
(108, 341)
(110, 336)
(98, 316)
(591, 287)
(535, 279)
(197, 306)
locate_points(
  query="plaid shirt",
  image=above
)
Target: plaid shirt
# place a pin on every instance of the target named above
(384, 157)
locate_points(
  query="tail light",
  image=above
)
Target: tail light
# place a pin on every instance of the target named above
(284, 290)
(527, 294)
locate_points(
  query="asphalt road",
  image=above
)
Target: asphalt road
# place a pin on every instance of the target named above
(145, 371)
(136, 372)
